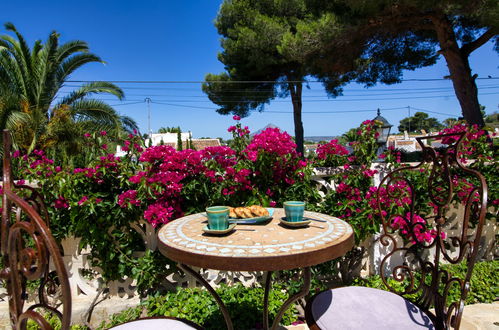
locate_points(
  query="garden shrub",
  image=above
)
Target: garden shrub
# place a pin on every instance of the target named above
(484, 288)
(98, 201)
(245, 306)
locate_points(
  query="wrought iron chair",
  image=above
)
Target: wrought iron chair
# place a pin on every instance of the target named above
(418, 234)
(30, 253)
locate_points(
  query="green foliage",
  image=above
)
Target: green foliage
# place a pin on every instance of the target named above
(352, 198)
(264, 42)
(384, 38)
(169, 130)
(245, 306)
(54, 322)
(484, 288)
(28, 95)
(83, 202)
(179, 140)
(420, 121)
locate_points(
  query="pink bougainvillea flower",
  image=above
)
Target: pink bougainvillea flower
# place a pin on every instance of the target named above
(83, 200)
(129, 197)
(236, 117)
(61, 203)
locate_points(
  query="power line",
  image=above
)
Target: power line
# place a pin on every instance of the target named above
(243, 81)
(255, 92)
(313, 101)
(339, 111)
(183, 106)
(235, 96)
(435, 112)
(120, 104)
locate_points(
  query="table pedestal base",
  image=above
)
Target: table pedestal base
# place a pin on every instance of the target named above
(268, 279)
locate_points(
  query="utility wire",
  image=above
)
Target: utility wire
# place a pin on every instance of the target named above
(314, 101)
(435, 112)
(242, 81)
(183, 106)
(120, 104)
(235, 96)
(196, 89)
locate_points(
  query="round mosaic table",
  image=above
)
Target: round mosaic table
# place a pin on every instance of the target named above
(263, 247)
(269, 246)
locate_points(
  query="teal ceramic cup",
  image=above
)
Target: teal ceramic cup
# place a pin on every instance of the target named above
(218, 217)
(294, 211)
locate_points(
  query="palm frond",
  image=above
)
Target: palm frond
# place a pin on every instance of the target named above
(21, 46)
(94, 110)
(69, 48)
(129, 125)
(46, 75)
(89, 89)
(69, 65)
(13, 59)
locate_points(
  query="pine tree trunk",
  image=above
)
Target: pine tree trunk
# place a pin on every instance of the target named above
(296, 94)
(460, 71)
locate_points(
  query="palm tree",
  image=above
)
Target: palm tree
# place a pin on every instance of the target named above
(30, 84)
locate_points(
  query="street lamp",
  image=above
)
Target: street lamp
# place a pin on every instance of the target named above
(383, 129)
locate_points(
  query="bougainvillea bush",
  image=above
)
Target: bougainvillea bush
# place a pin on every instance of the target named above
(98, 202)
(355, 197)
(263, 170)
(83, 202)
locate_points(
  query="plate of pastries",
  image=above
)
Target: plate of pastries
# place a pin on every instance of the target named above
(250, 214)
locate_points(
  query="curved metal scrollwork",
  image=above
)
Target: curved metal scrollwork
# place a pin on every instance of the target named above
(415, 227)
(30, 253)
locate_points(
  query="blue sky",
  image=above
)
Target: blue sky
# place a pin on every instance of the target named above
(176, 41)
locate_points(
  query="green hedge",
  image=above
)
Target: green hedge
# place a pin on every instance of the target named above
(484, 283)
(245, 306)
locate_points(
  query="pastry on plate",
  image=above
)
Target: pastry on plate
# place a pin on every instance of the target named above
(258, 211)
(232, 214)
(246, 212)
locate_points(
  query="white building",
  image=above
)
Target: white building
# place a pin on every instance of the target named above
(166, 138)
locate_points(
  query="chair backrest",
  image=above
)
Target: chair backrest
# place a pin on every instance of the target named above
(417, 205)
(30, 253)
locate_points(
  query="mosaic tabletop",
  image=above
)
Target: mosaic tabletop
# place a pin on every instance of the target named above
(266, 246)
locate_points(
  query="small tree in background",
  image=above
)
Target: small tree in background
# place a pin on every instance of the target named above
(420, 121)
(163, 130)
(179, 139)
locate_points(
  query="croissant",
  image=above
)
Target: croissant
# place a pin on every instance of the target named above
(232, 214)
(258, 211)
(248, 212)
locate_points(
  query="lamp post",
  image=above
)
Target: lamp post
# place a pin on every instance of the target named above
(383, 131)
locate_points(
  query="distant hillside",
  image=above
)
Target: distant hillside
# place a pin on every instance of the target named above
(263, 129)
(317, 139)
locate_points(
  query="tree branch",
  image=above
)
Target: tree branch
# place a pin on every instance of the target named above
(468, 48)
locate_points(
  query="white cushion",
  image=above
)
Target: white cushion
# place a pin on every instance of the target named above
(154, 324)
(366, 308)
